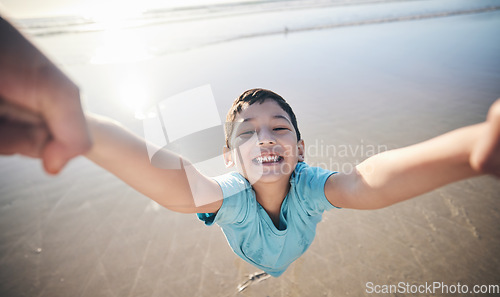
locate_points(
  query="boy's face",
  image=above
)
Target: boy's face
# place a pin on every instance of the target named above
(264, 145)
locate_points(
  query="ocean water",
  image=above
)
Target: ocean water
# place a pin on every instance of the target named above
(122, 38)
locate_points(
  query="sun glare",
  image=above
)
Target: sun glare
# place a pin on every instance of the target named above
(118, 43)
(120, 46)
(111, 13)
(134, 95)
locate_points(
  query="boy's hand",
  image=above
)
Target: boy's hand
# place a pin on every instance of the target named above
(485, 156)
(397, 175)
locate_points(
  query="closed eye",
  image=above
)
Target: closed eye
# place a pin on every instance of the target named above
(247, 133)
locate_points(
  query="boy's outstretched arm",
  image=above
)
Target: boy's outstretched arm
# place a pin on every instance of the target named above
(404, 173)
(125, 155)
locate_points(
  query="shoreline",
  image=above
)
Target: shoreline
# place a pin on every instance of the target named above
(146, 33)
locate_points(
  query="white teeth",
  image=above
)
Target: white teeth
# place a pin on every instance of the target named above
(266, 159)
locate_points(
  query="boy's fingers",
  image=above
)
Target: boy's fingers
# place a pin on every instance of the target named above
(494, 121)
(485, 157)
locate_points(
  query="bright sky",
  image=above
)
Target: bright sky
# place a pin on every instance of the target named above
(45, 8)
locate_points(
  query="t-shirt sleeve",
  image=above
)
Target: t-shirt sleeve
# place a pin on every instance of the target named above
(310, 187)
(237, 194)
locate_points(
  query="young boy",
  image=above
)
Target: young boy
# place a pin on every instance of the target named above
(269, 208)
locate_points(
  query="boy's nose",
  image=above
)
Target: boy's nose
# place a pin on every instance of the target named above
(265, 137)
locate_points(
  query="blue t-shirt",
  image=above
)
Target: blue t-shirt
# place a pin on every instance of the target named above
(251, 232)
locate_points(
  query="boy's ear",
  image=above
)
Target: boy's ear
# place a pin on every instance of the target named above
(301, 150)
(228, 157)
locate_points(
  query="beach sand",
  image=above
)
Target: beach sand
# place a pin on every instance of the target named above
(358, 89)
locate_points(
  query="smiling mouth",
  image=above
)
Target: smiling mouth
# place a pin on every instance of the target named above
(272, 159)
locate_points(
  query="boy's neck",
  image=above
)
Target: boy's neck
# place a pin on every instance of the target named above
(271, 195)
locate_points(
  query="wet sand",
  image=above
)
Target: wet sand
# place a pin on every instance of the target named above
(85, 233)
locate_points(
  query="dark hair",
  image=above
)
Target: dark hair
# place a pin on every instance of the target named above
(256, 96)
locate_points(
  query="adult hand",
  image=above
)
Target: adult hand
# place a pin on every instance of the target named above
(40, 110)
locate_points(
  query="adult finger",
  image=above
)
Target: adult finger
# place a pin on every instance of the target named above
(19, 138)
(13, 113)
